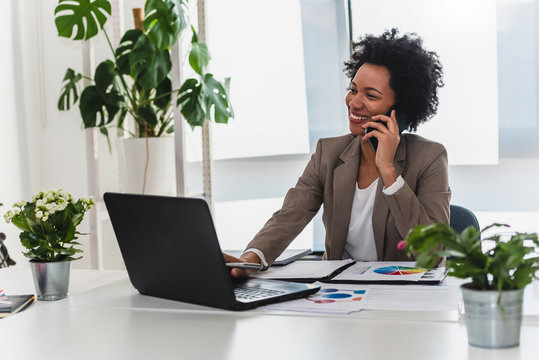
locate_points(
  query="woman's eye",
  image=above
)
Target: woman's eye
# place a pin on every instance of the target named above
(371, 96)
(350, 89)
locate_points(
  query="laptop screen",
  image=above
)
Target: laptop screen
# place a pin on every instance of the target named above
(170, 248)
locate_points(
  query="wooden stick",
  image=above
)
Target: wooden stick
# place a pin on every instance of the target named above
(138, 16)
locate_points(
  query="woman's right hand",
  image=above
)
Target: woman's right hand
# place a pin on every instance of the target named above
(250, 257)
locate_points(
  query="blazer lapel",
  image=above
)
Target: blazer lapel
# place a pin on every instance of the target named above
(344, 187)
(380, 211)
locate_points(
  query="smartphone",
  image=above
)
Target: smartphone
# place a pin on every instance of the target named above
(402, 121)
(244, 265)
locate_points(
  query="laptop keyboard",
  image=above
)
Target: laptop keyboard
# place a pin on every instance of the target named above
(250, 293)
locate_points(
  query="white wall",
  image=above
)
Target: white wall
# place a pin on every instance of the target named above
(463, 34)
(42, 147)
(46, 147)
(14, 173)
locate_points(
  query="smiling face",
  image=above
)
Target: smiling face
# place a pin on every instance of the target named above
(369, 94)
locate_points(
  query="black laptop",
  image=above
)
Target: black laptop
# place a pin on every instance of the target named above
(171, 251)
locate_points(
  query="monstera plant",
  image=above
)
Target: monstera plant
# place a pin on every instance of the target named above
(136, 80)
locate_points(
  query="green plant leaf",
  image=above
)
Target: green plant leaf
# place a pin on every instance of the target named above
(103, 98)
(91, 104)
(199, 56)
(163, 94)
(426, 260)
(85, 15)
(69, 232)
(104, 77)
(138, 57)
(70, 87)
(21, 222)
(215, 96)
(148, 67)
(124, 49)
(121, 117)
(147, 112)
(141, 55)
(28, 240)
(164, 21)
(190, 100)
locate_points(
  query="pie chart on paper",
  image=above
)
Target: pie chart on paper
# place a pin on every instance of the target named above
(398, 270)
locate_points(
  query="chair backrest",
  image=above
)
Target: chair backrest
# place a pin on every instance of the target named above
(5, 260)
(461, 218)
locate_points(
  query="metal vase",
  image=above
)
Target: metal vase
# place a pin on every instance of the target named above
(51, 279)
(491, 325)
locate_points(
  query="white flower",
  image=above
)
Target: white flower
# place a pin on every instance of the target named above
(8, 216)
(48, 208)
(50, 196)
(61, 205)
(39, 214)
(20, 204)
(88, 203)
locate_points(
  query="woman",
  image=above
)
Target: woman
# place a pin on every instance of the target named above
(371, 197)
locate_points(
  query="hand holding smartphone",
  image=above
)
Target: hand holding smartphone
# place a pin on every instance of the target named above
(241, 267)
(402, 121)
(244, 265)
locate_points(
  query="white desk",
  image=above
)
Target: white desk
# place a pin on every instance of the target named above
(105, 318)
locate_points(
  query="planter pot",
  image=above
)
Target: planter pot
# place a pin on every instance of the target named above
(51, 279)
(148, 165)
(488, 325)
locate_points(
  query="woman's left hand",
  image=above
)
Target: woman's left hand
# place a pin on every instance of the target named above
(388, 141)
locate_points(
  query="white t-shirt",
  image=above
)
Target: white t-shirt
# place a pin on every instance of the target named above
(360, 240)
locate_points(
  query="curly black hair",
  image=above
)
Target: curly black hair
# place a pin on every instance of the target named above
(416, 74)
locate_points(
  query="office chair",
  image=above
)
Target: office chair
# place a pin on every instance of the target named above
(460, 218)
(5, 260)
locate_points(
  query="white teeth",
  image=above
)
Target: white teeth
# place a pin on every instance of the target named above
(359, 117)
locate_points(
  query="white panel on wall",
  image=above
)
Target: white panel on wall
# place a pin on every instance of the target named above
(521, 221)
(517, 62)
(463, 33)
(14, 174)
(259, 45)
(237, 222)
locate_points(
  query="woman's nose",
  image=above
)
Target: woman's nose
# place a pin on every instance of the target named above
(355, 102)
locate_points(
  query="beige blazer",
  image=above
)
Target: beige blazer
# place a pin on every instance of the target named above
(330, 179)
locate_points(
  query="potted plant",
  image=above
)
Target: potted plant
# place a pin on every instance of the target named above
(136, 81)
(49, 232)
(498, 273)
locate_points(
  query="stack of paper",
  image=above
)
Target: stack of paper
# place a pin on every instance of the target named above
(305, 270)
(330, 299)
(390, 272)
(351, 272)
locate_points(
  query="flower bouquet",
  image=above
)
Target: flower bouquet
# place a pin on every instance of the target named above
(49, 225)
(49, 232)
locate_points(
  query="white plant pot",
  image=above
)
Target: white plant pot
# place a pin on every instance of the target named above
(148, 166)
